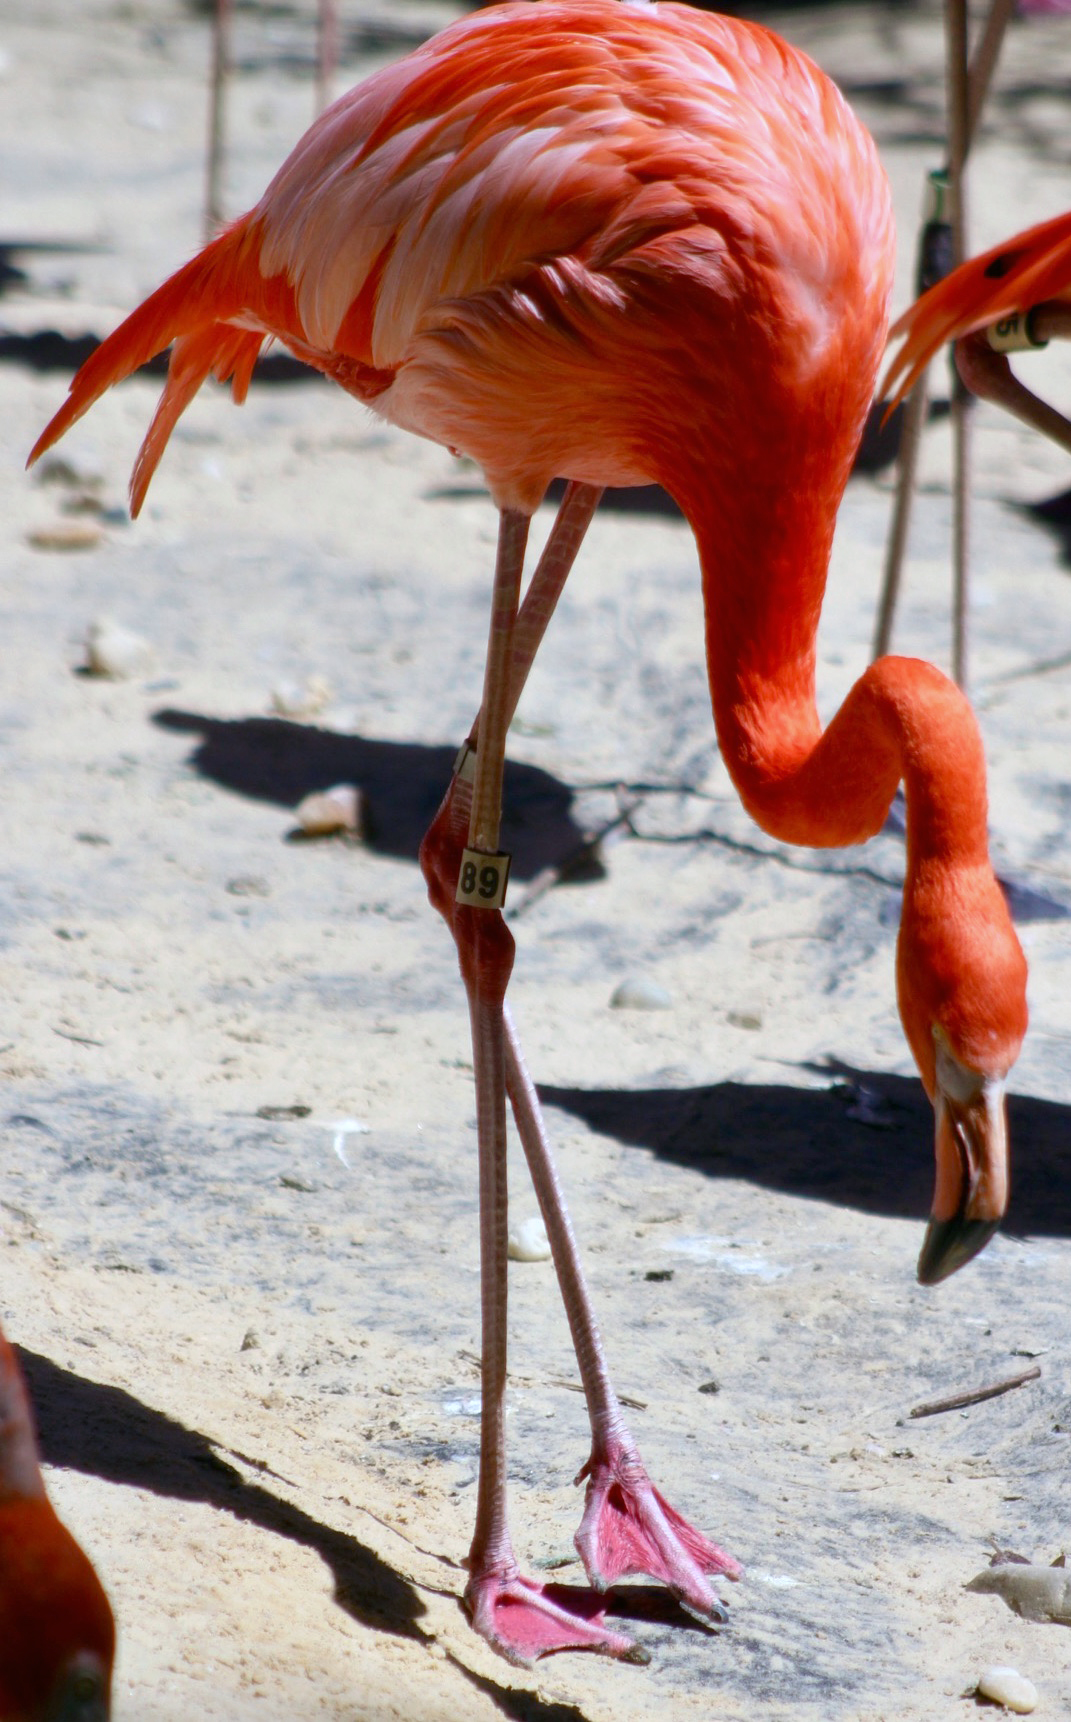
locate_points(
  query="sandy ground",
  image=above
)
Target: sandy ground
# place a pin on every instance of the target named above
(251, 1337)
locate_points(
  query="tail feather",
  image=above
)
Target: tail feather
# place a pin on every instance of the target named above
(227, 353)
(1027, 270)
(190, 311)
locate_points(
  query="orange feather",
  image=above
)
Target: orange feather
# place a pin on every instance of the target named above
(1030, 269)
(57, 1636)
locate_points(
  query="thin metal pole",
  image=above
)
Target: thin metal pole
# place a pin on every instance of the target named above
(914, 418)
(984, 62)
(958, 143)
(326, 51)
(978, 80)
(221, 60)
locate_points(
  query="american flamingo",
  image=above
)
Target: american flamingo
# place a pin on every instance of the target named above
(57, 1636)
(1011, 298)
(625, 243)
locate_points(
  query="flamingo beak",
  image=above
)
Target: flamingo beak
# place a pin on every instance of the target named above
(971, 1193)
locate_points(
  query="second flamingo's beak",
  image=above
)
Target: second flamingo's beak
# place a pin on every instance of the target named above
(971, 1193)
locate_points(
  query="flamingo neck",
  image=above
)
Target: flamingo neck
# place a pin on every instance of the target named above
(903, 720)
(960, 968)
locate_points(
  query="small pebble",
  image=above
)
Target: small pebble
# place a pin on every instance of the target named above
(54, 469)
(297, 699)
(76, 535)
(112, 650)
(328, 811)
(528, 1241)
(1008, 1687)
(639, 992)
(248, 885)
(83, 502)
(750, 1019)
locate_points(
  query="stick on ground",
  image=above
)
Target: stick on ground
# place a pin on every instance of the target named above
(957, 1400)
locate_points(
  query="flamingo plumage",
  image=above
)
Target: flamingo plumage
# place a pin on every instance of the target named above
(57, 1635)
(624, 243)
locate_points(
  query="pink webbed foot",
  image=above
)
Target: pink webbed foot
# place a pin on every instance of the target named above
(524, 1620)
(629, 1529)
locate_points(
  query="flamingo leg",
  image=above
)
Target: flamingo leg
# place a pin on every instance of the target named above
(990, 376)
(627, 1526)
(519, 1617)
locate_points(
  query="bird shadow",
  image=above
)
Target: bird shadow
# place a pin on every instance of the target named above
(108, 1433)
(274, 759)
(837, 1144)
(105, 1432)
(1053, 513)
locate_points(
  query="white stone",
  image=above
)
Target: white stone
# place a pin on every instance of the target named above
(112, 650)
(329, 810)
(527, 1240)
(1008, 1687)
(302, 699)
(639, 992)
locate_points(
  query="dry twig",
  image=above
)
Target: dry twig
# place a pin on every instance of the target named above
(975, 1396)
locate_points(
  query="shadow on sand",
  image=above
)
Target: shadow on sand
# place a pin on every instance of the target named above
(274, 760)
(864, 1143)
(106, 1432)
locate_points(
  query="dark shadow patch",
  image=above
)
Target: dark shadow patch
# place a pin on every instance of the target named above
(628, 499)
(1054, 513)
(865, 1143)
(274, 760)
(47, 350)
(106, 1432)
(515, 1702)
(653, 1603)
(10, 273)
(880, 442)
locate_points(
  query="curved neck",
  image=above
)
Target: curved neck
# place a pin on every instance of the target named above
(902, 719)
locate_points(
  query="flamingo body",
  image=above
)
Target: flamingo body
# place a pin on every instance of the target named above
(57, 1636)
(620, 244)
(477, 240)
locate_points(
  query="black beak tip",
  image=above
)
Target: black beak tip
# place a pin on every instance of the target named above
(950, 1244)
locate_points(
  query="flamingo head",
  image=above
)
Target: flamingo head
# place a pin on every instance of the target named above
(971, 1145)
(962, 986)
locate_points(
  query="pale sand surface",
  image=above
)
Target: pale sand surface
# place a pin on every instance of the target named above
(252, 1355)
